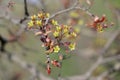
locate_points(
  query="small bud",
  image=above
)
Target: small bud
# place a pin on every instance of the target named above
(55, 63)
(48, 69)
(61, 57)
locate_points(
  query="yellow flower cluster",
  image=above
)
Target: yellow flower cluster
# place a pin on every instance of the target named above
(37, 20)
(56, 33)
(43, 26)
(54, 22)
(64, 30)
(73, 34)
(43, 15)
(58, 28)
(60, 32)
(32, 23)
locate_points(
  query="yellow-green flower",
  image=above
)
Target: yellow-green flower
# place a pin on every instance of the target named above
(33, 17)
(65, 30)
(73, 34)
(56, 34)
(58, 28)
(54, 22)
(56, 49)
(72, 46)
(38, 22)
(30, 24)
(99, 28)
(47, 15)
(40, 15)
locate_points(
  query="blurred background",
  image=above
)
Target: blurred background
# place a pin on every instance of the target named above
(23, 58)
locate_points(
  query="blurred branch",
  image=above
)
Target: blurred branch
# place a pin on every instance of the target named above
(74, 7)
(3, 43)
(117, 13)
(88, 74)
(26, 12)
(110, 41)
(101, 59)
(103, 51)
(30, 67)
(43, 5)
(26, 48)
(36, 74)
(25, 65)
(108, 72)
(25, 8)
(90, 3)
(16, 35)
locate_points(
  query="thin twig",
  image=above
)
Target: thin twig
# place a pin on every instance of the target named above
(25, 12)
(28, 66)
(74, 7)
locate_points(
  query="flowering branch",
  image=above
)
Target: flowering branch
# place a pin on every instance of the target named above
(43, 24)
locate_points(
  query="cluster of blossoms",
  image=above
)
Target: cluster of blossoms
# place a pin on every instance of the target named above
(99, 24)
(56, 37)
(52, 35)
